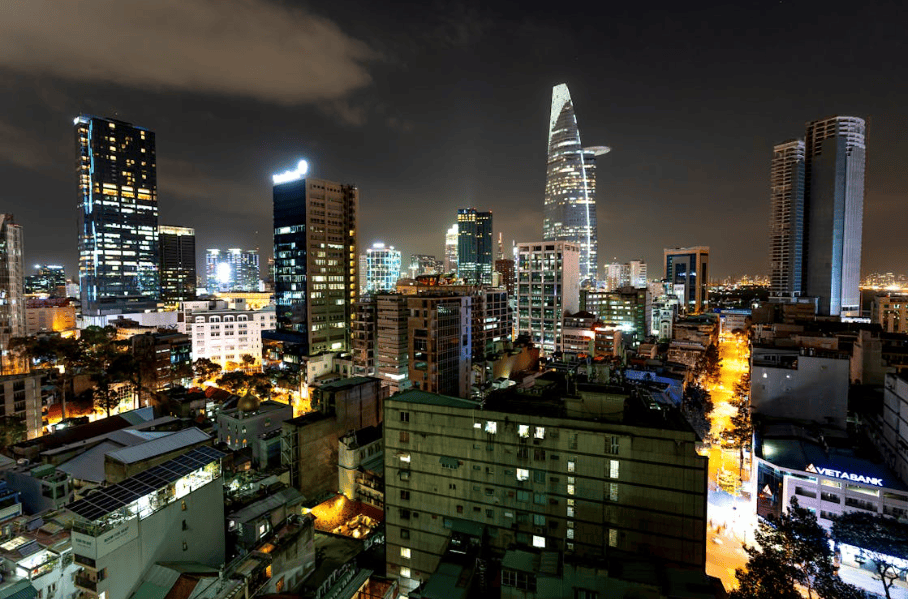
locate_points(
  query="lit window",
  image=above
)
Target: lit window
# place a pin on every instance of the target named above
(405, 552)
(539, 542)
(613, 469)
(570, 489)
(523, 474)
(572, 465)
(405, 458)
(405, 572)
(570, 533)
(491, 427)
(539, 433)
(612, 537)
(477, 425)
(523, 430)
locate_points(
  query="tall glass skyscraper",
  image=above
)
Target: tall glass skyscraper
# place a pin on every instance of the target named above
(178, 272)
(474, 246)
(118, 214)
(570, 185)
(786, 227)
(817, 209)
(834, 188)
(12, 299)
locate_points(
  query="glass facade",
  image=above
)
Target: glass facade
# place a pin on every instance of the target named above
(570, 185)
(474, 246)
(118, 213)
(290, 258)
(233, 270)
(178, 272)
(689, 267)
(382, 268)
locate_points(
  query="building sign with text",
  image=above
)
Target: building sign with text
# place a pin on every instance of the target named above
(858, 478)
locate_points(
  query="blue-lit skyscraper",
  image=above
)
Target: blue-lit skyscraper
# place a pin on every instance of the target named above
(474, 246)
(118, 215)
(570, 185)
(382, 268)
(834, 189)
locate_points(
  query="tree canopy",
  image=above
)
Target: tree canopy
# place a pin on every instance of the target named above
(878, 539)
(791, 551)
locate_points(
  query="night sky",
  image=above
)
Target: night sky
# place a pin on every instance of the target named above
(430, 107)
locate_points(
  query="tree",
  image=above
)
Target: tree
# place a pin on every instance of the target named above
(696, 406)
(248, 361)
(790, 551)
(53, 351)
(107, 363)
(12, 430)
(742, 428)
(708, 365)
(205, 369)
(235, 381)
(878, 539)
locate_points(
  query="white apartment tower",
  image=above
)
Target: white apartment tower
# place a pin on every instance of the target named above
(548, 284)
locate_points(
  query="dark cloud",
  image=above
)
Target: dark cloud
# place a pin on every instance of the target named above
(247, 48)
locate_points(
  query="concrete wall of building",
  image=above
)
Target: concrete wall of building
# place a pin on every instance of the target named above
(187, 530)
(895, 425)
(635, 489)
(815, 390)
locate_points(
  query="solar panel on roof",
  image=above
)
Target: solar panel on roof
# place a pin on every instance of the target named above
(104, 501)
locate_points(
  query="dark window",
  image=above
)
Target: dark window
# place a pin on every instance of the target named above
(405, 495)
(405, 416)
(404, 436)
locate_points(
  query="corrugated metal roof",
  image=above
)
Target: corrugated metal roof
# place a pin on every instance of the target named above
(263, 506)
(159, 446)
(19, 590)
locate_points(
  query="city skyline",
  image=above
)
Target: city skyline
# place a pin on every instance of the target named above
(699, 148)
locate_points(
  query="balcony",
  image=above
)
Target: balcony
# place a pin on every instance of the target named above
(85, 583)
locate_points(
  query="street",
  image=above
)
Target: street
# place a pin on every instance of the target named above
(730, 523)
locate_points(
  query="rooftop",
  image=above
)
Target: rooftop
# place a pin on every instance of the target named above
(159, 446)
(559, 395)
(102, 502)
(347, 383)
(790, 445)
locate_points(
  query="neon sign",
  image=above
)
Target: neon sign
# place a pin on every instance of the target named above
(293, 175)
(858, 478)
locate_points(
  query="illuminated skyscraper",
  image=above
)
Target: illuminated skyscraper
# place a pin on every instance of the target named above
(689, 267)
(450, 265)
(834, 188)
(786, 226)
(817, 209)
(49, 279)
(474, 246)
(548, 285)
(118, 215)
(233, 270)
(12, 300)
(570, 185)
(315, 262)
(178, 272)
(382, 268)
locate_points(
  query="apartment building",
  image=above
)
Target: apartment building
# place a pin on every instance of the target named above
(576, 468)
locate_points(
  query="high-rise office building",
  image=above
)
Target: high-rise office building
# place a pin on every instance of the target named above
(233, 270)
(689, 267)
(178, 272)
(817, 209)
(834, 187)
(505, 269)
(12, 300)
(49, 280)
(382, 268)
(315, 261)
(786, 226)
(637, 273)
(570, 185)
(450, 262)
(440, 343)
(548, 284)
(474, 246)
(421, 264)
(118, 215)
